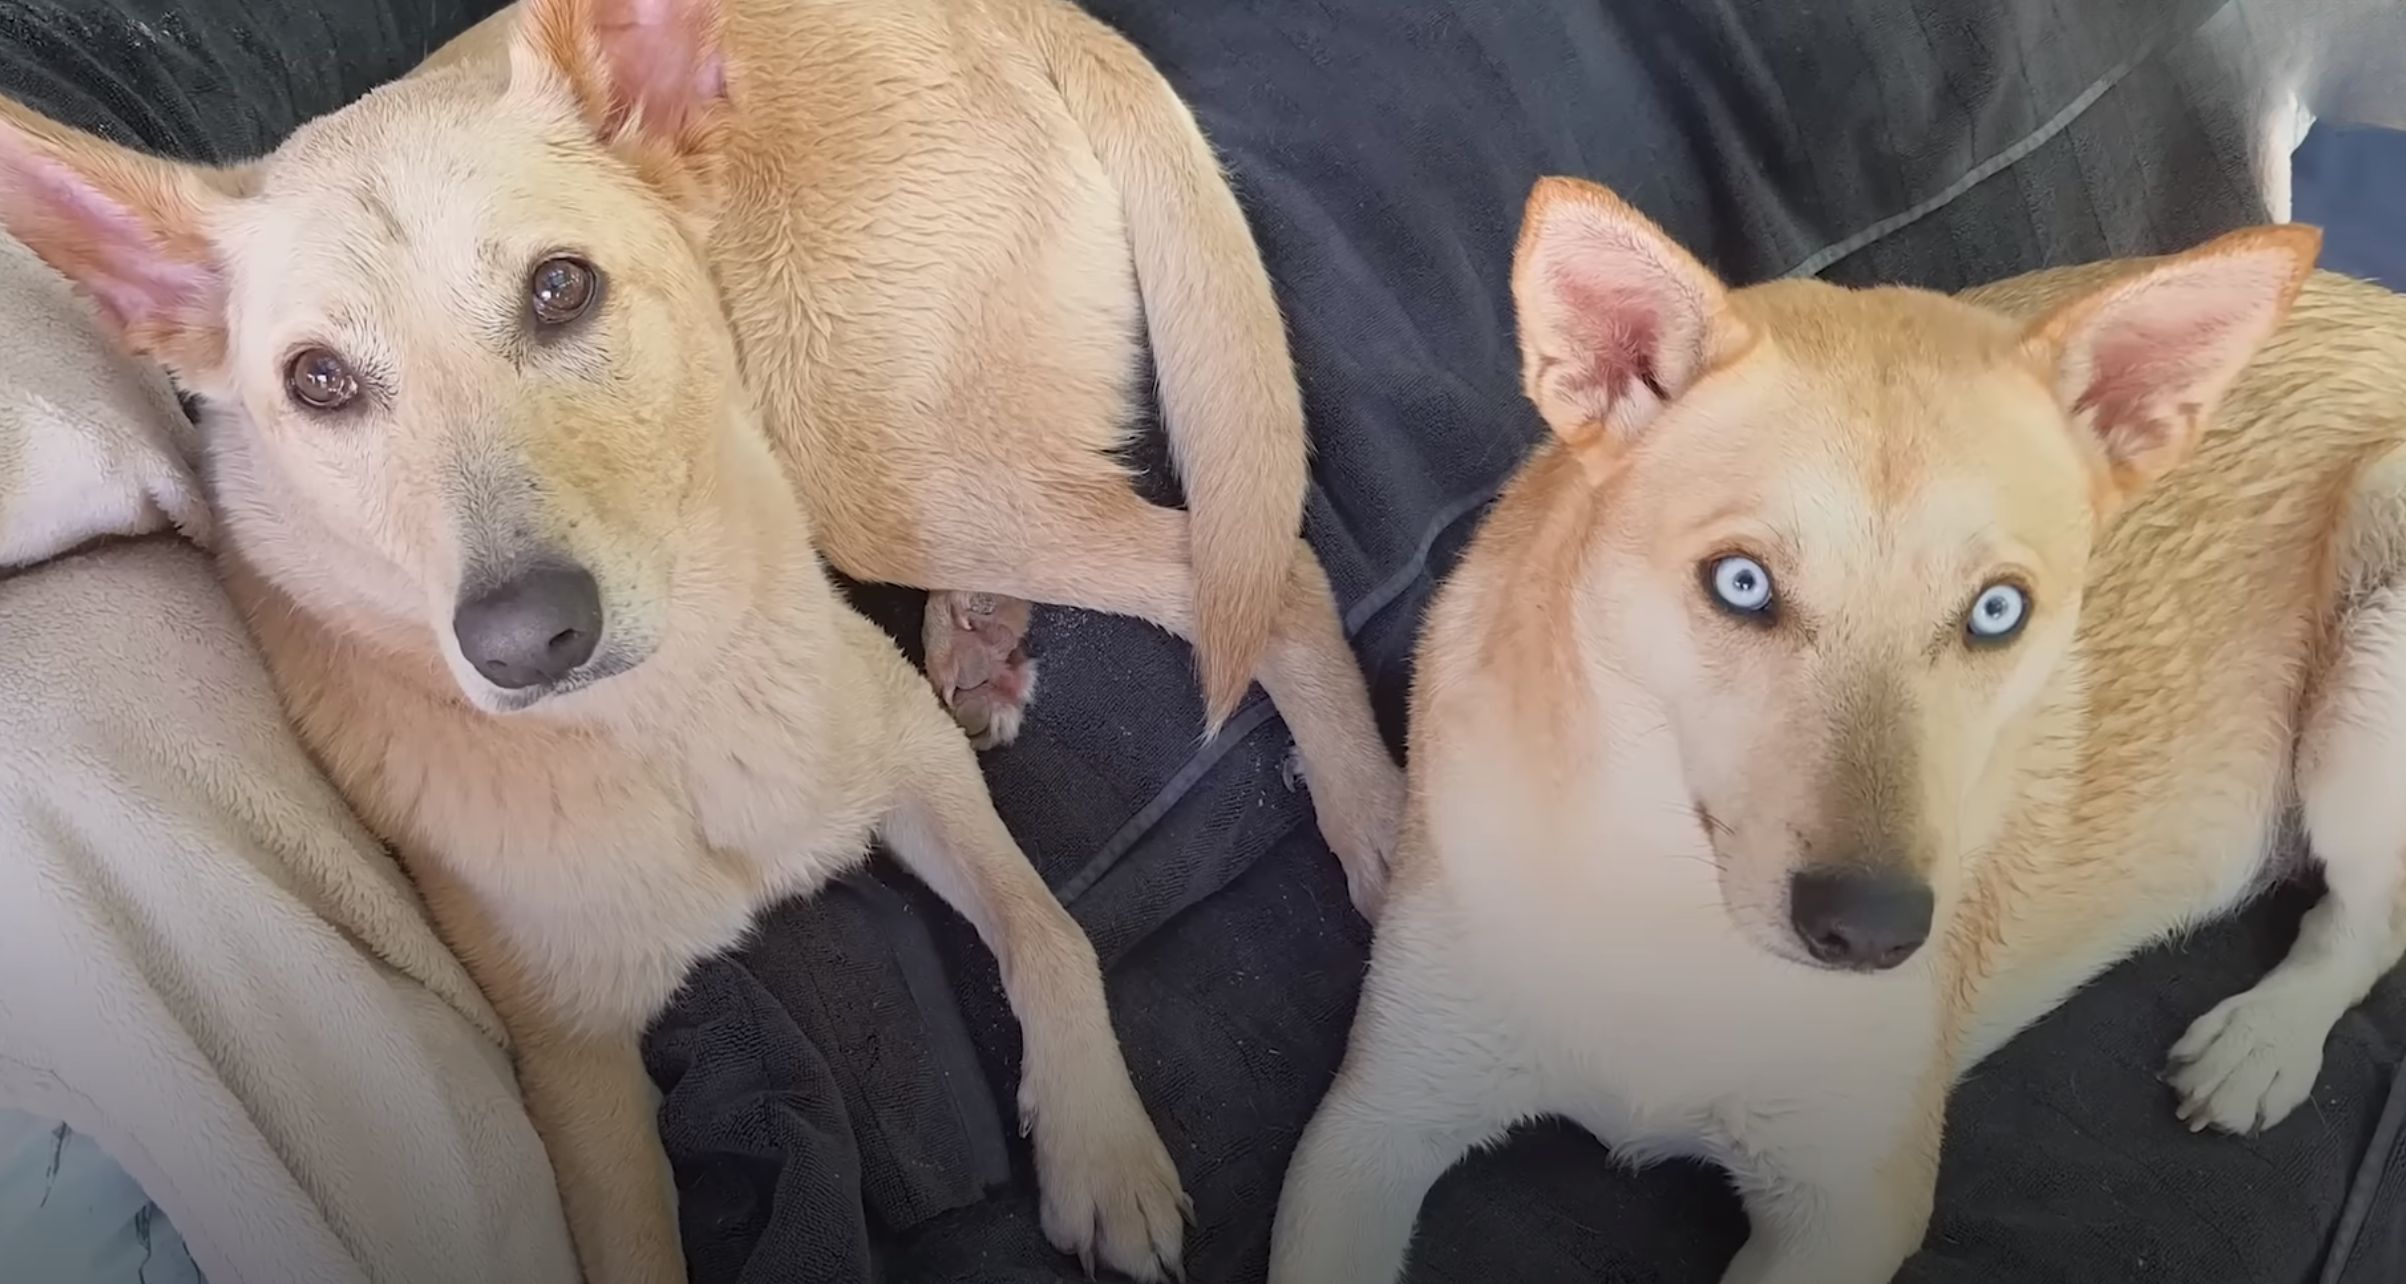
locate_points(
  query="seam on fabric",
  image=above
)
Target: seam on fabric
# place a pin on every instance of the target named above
(2371, 1175)
(1383, 596)
(1821, 260)
(1172, 791)
(1249, 719)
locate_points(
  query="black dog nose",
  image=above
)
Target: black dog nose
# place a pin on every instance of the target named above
(531, 628)
(1866, 919)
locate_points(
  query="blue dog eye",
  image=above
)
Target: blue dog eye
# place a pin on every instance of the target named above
(1997, 613)
(1742, 585)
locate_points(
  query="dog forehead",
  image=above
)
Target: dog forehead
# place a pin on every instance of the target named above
(364, 210)
(1901, 391)
(382, 175)
(1875, 478)
(350, 249)
(1886, 542)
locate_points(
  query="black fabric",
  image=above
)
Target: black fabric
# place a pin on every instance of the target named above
(2371, 1239)
(217, 80)
(838, 1094)
(823, 1088)
(2065, 1162)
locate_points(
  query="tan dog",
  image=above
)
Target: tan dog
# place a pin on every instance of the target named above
(942, 227)
(1859, 673)
(514, 371)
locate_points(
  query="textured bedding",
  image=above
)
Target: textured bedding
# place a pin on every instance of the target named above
(837, 1094)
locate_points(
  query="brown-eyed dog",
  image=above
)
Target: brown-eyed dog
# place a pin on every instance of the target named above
(1856, 674)
(538, 383)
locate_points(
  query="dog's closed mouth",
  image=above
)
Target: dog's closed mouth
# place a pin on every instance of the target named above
(608, 664)
(1844, 925)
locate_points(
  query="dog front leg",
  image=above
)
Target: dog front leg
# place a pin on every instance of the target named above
(1838, 1207)
(591, 1101)
(586, 1092)
(2253, 1059)
(1425, 1080)
(1109, 1189)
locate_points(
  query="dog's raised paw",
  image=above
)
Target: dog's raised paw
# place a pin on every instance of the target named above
(2243, 1066)
(1110, 1193)
(978, 662)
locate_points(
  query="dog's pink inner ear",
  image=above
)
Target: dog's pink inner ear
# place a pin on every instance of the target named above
(1615, 320)
(151, 283)
(2142, 364)
(663, 69)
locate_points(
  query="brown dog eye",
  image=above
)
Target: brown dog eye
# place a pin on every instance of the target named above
(320, 380)
(562, 288)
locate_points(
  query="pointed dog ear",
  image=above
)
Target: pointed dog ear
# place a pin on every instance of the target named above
(649, 77)
(1616, 320)
(131, 231)
(2141, 364)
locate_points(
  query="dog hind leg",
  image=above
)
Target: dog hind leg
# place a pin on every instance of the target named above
(978, 660)
(1108, 550)
(2253, 1059)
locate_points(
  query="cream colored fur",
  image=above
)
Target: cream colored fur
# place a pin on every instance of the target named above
(884, 257)
(943, 226)
(1614, 779)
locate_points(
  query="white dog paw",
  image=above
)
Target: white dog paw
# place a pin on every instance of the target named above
(1110, 1192)
(2245, 1065)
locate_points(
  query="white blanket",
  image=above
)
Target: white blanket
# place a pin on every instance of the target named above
(205, 964)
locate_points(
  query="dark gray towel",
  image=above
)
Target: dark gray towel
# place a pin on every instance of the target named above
(216, 80)
(2369, 1246)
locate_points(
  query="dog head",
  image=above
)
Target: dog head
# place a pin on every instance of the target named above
(465, 369)
(1842, 534)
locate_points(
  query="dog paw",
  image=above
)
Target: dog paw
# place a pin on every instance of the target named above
(1109, 1191)
(2245, 1065)
(1364, 833)
(977, 659)
(1366, 877)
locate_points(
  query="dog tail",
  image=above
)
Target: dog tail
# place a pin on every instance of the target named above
(1227, 382)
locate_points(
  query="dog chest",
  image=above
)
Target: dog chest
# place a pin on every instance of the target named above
(1603, 954)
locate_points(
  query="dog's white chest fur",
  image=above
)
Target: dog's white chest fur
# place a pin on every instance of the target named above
(1592, 942)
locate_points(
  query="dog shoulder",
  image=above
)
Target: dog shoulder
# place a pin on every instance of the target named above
(1502, 625)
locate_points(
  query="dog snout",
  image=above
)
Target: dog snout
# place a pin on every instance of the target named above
(1867, 919)
(531, 628)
